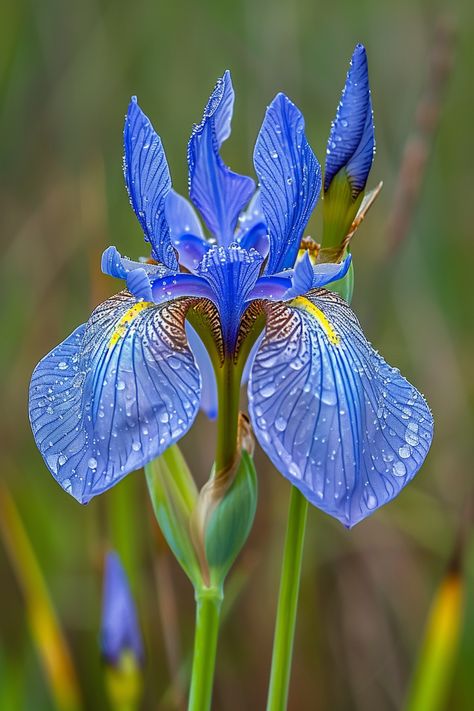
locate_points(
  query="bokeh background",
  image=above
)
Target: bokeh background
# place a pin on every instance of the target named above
(67, 70)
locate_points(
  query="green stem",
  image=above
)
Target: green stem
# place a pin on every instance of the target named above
(287, 603)
(208, 606)
(228, 395)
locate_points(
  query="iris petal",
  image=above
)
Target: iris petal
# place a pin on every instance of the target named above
(231, 274)
(191, 250)
(253, 232)
(208, 378)
(186, 231)
(148, 182)
(181, 216)
(217, 192)
(176, 285)
(307, 276)
(290, 180)
(272, 287)
(351, 141)
(343, 426)
(119, 267)
(115, 394)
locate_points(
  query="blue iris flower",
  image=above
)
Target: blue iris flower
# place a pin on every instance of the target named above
(343, 426)
(120, 631)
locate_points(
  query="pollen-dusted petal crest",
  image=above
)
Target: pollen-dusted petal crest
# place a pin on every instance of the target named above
(290, 180)
(343, 426)
(148, 182)
(115, 394)
(217, 192)
(351, 142)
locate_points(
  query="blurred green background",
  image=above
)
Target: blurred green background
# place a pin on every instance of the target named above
(67, 70)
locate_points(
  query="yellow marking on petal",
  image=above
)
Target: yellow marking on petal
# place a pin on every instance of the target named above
(303, 303)
(129, 316)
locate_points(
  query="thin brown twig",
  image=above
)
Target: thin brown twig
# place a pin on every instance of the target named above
(419, 145)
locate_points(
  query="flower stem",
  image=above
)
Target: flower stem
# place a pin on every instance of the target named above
(208, 606)
(287, 602)
(228, 393)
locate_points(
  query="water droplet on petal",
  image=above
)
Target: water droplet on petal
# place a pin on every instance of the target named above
(92, 463)
(280, 424)
(67, 486)
(399, 469)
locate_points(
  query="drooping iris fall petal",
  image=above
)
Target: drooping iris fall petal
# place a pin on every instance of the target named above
(115, 394)
(343, 426)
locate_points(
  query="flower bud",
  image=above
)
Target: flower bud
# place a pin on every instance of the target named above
(349, 153)
(174, 496)
(121, 640)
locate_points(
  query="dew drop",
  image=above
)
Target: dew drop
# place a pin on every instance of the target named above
(62, 365)
(411, 436)
(399, 469)
(370, 500)
(294, 470)
(92, 463)
(268, 390)
(136, 446)
(280, 424)
(174, 363)
(120, 385)
(404, 451)
(329, 397)
(67, 486)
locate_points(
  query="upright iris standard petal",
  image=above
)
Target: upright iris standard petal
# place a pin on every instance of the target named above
(217, 192)
(290, 180)
(351, 141)
(181, 216)
(186, 231)
(253, 232)
(148, 182)
(343, 426)
(120, 631)
(115, 394)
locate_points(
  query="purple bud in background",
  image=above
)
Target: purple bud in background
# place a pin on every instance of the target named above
(120, 632)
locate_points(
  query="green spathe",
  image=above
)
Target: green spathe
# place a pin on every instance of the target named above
(339, 210)
(174, 495)
(230, 522)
